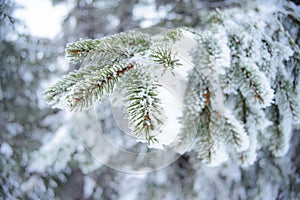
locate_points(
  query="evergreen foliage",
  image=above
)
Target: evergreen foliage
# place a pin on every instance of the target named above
(42, 158)
(109, 60)
(142, 106)
(245, 83)
(25, 64)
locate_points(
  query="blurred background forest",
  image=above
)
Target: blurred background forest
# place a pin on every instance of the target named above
(41, 156)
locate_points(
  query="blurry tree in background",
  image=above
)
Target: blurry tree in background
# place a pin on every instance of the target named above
(40, 154)
(25, 63)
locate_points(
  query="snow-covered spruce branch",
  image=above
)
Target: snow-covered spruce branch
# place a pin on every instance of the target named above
(162, 54)
(193, 105)
(173, 35)
(208, 142)
(82, 88)
(142, 105)
(258, 88)
(109, 49)
(217, 131)
(242, 93)
(109, 60)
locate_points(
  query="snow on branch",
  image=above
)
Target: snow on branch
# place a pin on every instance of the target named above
(162, 54)
(79, 90)
(242, 91)
(142, 105)
(118, 46)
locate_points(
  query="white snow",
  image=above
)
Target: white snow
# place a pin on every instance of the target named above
(14, 128)
(239, 128)
(41, 17)
(173, 108)
(173, 90)
(219, 156)
(183, 49)
(6, 150)
(56, 152)
(89, 186)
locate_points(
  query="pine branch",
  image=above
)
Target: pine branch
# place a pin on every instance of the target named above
(293, 64)
(241, 66)
(253, 83)
(142, 105)
(193, 105)
(54, 95)
(212, 55)
(287, 98)
(280, 131)
(222, 128)
(235, 132)
(173, 35)
(209, 140)
(249, 156)
(268, 59)
(284, 112)
(206, 143)
(79, 90)
(254, 121)
(161, 53)
(112, 48)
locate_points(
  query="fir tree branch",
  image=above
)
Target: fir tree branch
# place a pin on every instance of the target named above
(284, 113)
(253, 83)
(55, 94)
(80, 89)
(111, 48)
(235, 132)
(194, 103)
(208, 133)
(206, 142)
(161, 53)
(287, 98)
(142, 105)
(280, 132)
(173, 35)
(210, 142)
(199, 116)
(240, 61)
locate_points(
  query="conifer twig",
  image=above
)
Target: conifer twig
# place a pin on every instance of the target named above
(142, 105)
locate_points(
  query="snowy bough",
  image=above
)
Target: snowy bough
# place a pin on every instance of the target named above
(243, 90)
